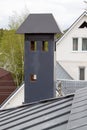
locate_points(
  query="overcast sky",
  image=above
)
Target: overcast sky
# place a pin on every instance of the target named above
(64, 11)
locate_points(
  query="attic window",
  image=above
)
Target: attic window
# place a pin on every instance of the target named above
(33, 46)
(33, 77)
(45, 46)
(83, 25)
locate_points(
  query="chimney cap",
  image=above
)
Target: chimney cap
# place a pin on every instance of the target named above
(39, 23)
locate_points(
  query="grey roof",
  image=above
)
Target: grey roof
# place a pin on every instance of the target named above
(39, 23)
(78, 116)
(71, 86)
(65, 113)
(61, 73)
(68, 84)
(46, 115)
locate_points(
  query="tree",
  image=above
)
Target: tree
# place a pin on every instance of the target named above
(11, 56)
(12, 48)
(15, 20)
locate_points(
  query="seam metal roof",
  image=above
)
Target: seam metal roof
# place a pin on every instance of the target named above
(47, 115)
(78, 115)
(65, 113)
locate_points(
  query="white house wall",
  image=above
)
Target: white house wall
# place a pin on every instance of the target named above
(73, 68)
(69, 59)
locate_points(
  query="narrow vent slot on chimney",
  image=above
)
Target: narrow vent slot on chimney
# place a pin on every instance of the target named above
(45, 46)
(33, 46)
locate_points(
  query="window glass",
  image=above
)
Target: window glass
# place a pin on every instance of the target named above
(75, 44)
(33, 46)
(45, 46)
(82, 73)
(84, 44)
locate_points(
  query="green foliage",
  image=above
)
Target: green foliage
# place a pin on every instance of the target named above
(12, 47)
(58, 36)
(1, 34)
(11, 54)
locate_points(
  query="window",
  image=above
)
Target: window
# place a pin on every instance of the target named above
(33, 77)
(83, 25)
(33, 46)
(75, 44)
(45, 46)
(82, 73)
(84, 44)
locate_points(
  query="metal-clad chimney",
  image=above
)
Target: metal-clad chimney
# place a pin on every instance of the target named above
(39, 30)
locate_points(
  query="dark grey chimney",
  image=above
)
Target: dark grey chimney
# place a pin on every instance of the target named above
(39, 30)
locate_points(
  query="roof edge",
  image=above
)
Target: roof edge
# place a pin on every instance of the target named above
(72, 26)
(41, 101)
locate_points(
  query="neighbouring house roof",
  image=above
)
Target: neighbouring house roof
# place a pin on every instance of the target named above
(39, 23)
(71, 86)
(61, 73)
(72, 26)
(7, 84)
(3, 72)
(68, 85)
(65, 113)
